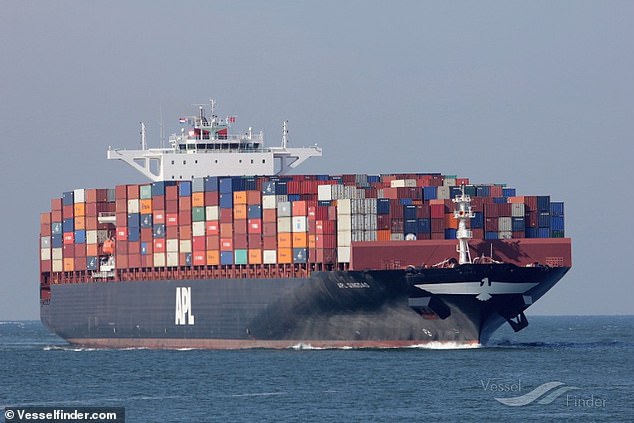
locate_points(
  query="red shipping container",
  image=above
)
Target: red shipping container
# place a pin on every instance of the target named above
(437, 211)
(269, 242)
(122, 234)
(254, 226)
(226, 215)
(146, 234)
(56, 216)
(80, 263)
(171, 232)
(184, 233)
(212, 227)
(121, 261)
(147, 260)
(158, 217)
(68, 211)
(121, 219)
(80, 250)
(269, 228)
(91, 209)
(199, 243)
(134, 260)
(56, 204)
(240, 227)
(159, 245)
(213, 242)
(240, 241)
(185, 204)
(298, 208)
(211, 198)
(255, 241)
(121, 192)
(199, 258)
(226, 230)
(269, 215)
(171, 193)
(171, 219)
(226, 244)
(158, 202)
(185, 218)
(121, 247)
(134, 247)
(171, 206)
(253, 198)
(133, 191)
(423, 211)
(68, 250)
(437, 226)
(438, 235)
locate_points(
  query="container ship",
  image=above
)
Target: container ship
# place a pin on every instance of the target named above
(222, 248)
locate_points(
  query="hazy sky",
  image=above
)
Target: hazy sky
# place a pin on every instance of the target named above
(538, 95)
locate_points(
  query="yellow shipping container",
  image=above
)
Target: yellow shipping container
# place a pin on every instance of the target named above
(80, 222)
(300, 240)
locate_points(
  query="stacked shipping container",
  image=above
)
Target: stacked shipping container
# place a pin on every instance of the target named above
(236, 221)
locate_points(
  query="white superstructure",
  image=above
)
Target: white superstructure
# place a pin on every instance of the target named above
(462, 213)
(207, 149)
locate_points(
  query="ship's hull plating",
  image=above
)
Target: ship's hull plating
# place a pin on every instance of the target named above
(388, 308)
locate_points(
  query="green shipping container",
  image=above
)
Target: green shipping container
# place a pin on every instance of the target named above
(241, 256)
(198, 214)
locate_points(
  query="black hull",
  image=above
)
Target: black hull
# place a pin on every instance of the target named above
(329, 309)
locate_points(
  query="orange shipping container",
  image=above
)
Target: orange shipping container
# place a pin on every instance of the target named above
(284, 239)
(285, 255)
(92, 250)
(226, 230)
(300, 240)
(198, 199)
(239, 211)
(450, 221)
(213, 257)
(518, 200)
(79, 209)
(253, 198)
(145, 206)
(69, 264)
(199, 258)
(383, 235)
(80, 222)
(255, 256)
(269, 215)
(226, 244)
(312, 241)
(239, 197)
(299, 208)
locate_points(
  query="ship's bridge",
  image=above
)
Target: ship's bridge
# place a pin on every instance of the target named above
(207, 149)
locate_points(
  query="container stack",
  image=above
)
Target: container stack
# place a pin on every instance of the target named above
(254, 221)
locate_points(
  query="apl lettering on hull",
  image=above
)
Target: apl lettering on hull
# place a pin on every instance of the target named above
(183, 314)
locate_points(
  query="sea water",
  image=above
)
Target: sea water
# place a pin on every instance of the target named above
(577, 368)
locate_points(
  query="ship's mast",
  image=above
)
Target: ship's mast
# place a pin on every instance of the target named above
(462, 213)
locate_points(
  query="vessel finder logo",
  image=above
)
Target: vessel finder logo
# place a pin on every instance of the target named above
(543, 394)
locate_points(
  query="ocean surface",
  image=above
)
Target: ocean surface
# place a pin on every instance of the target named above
(578, 368)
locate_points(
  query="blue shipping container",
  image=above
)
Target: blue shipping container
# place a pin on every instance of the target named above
(254, 212)
(68, 198)
(185, 188)
(517, 224)
(133, 234)
(226, 257)
(144, 248)
(424, 225)
(557, 223)
(556, 208)
(383, 206)
(211, 184)
(300, 255)
(225, 185)
(92, 263)
(134, 220)
(56, 228)
(158, 231)
(483, 191)
(226, 200)
(409, 212)
(410, 226)
(429, 193)
(146, 220)
(543, 203)
(80, 236)
(294, 197)
(478, 220)
(490, 235)
(543, 220)
(450, 233)
(68, 225)
(508, 192)
(405, 201)
(57, 241)
(268, 187)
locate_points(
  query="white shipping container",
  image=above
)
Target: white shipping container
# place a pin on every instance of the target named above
(343, 254)
(159, 259)
(198, 228)
(517, 209)
(504, 224)
(358, 222)
(185, 246)
(410, 183)
(357, 206)
(212, 213)
(172, 245)
(370, 236)
(324, 192)
(281, 199)
(91, 237)
(283, 209)
(133, 206)
(269, 202)
(57, 254)
(284, 224)
(443, 193)
(79, 196)
(299, 224)
(45, 242)
(45, 254)
(358, 192)
(344, 222)
(397, 183)
(449, 182)
(370, 222)
(172, 259)
(370, 205)
(269, 256)
(505, 235)
(358, 236)
(58, 265)
(102, 236)
(397, 237)
(344, 206)
(344, 238)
